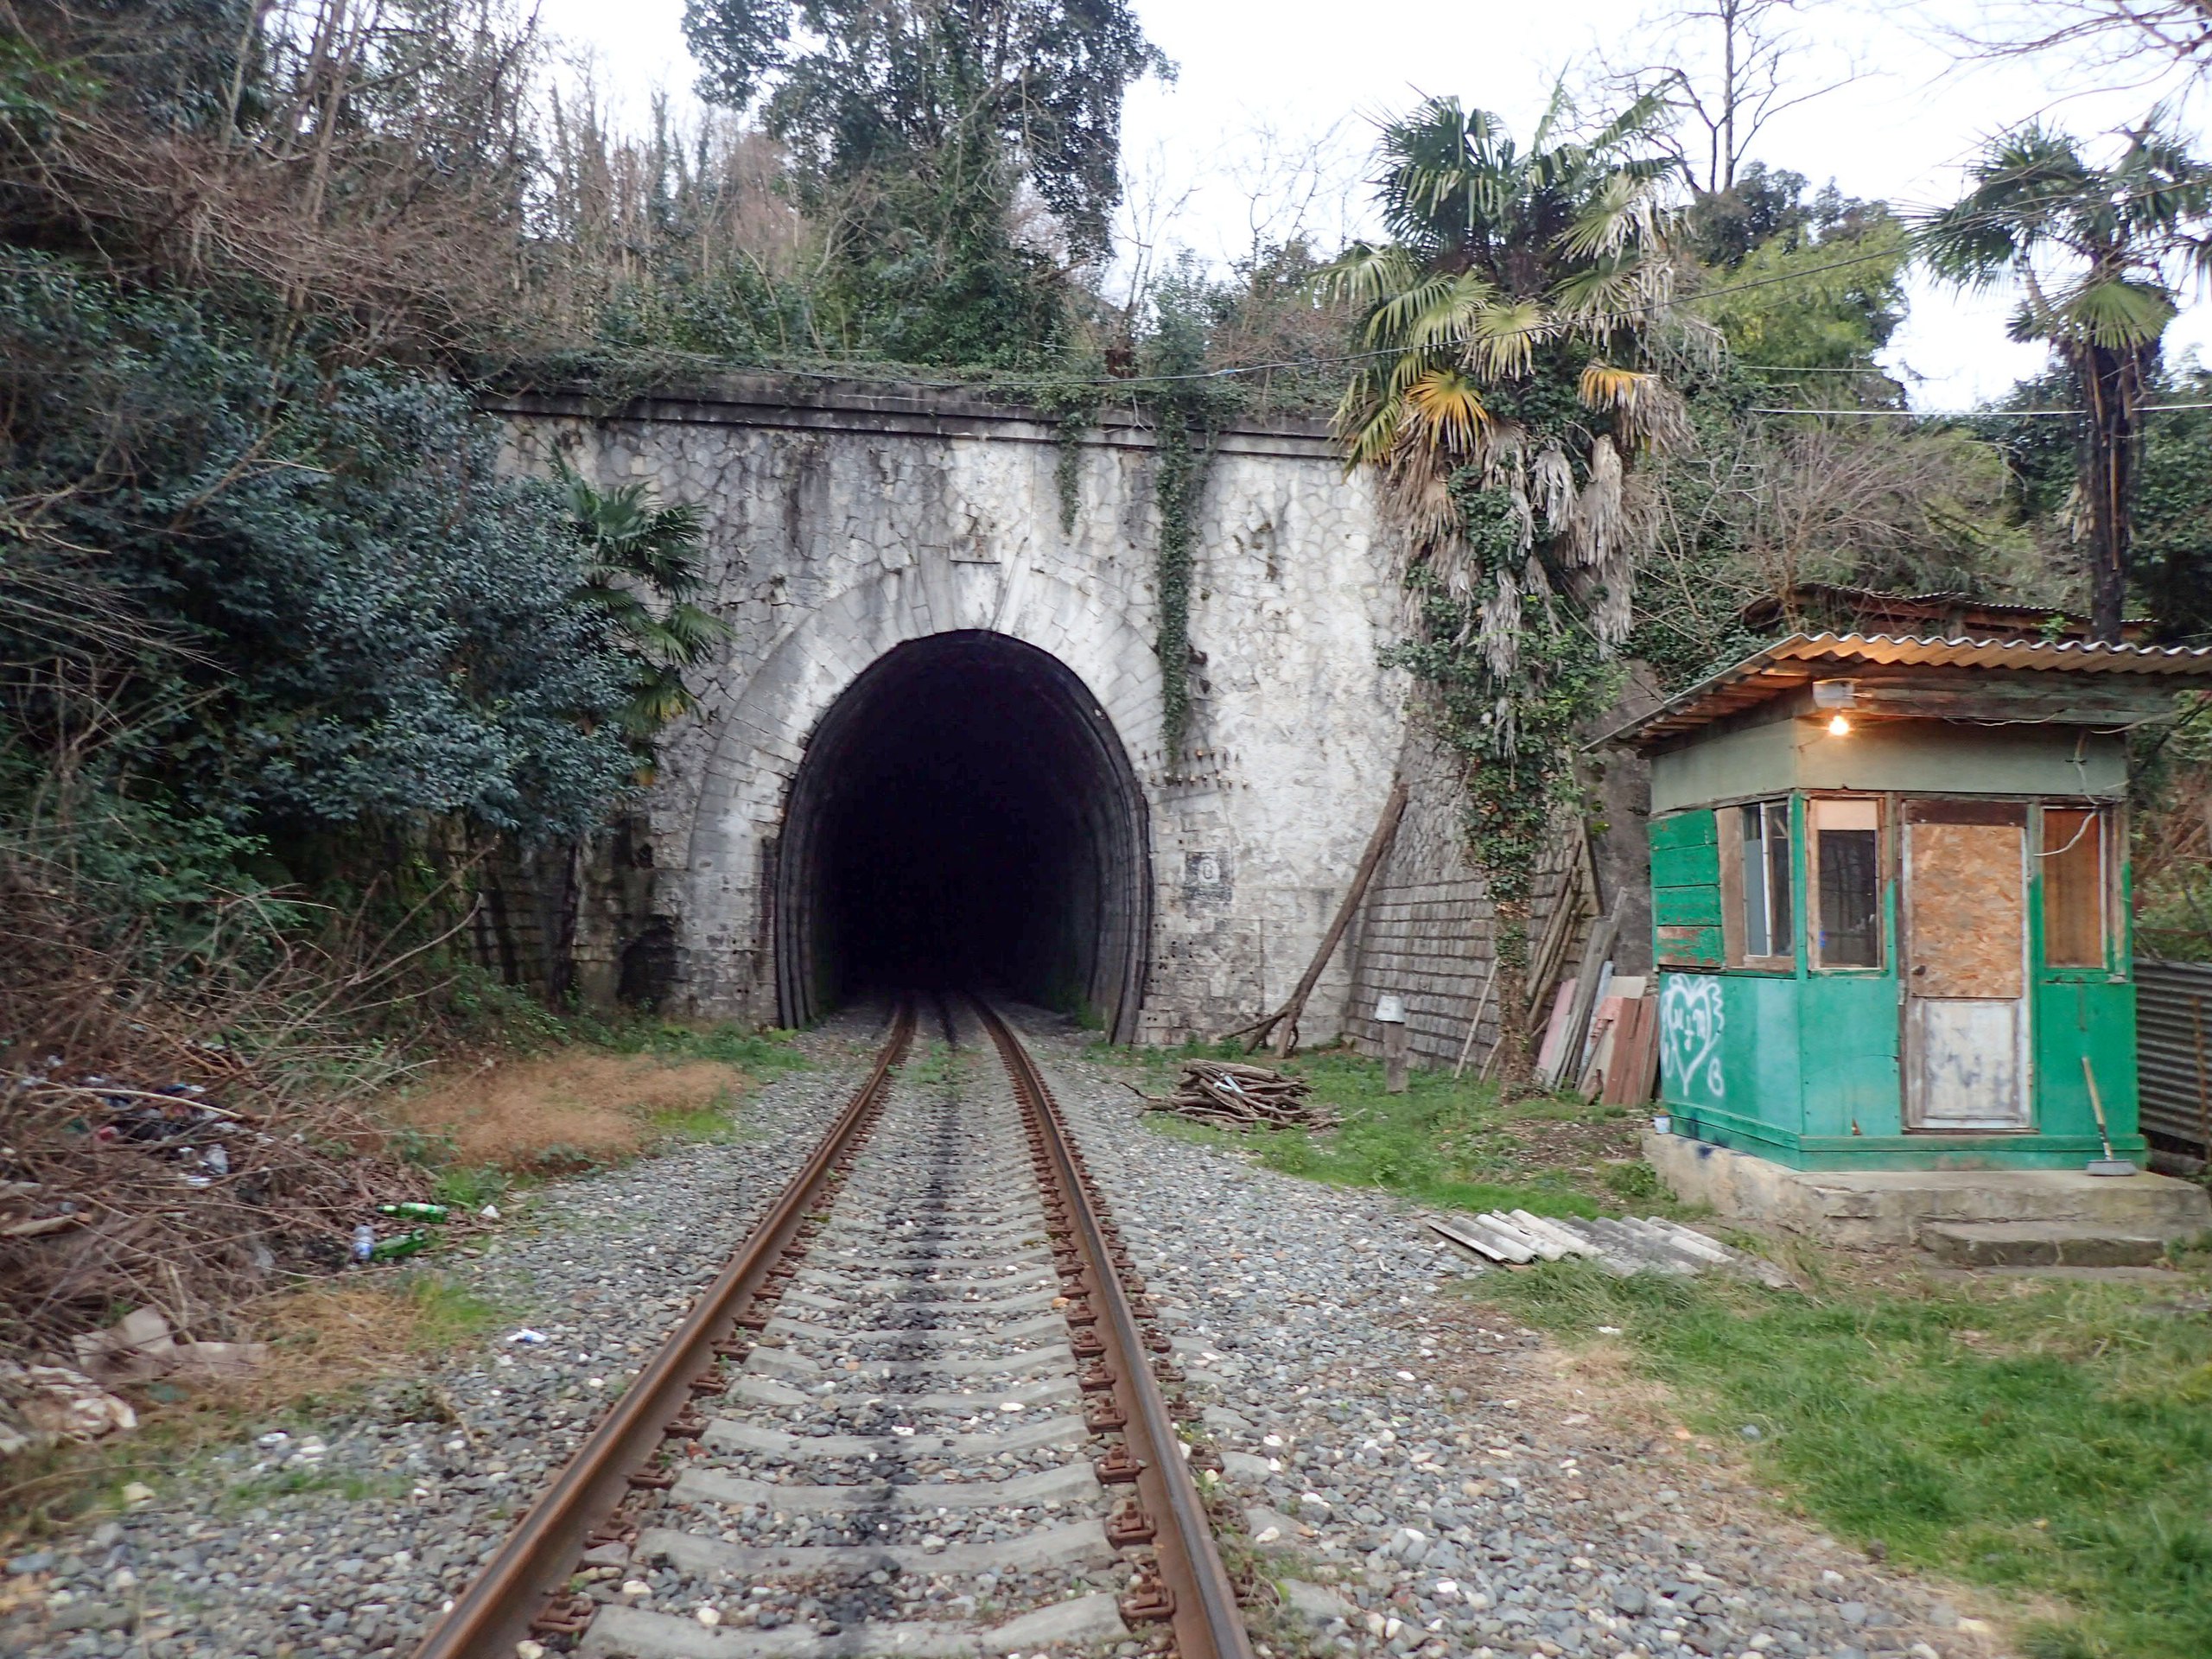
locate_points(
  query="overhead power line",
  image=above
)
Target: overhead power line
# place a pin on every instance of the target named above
(1962, 414)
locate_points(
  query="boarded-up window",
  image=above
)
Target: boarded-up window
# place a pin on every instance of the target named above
(1847, 879)
(1762, 836)
(2075, 887)
(1686, 890)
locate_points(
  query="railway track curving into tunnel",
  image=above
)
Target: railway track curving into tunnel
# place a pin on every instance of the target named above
(924, 1409)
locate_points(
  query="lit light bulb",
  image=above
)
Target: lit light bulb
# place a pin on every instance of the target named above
(1839, 727)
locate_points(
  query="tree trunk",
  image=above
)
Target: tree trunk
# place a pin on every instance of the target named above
(2112, 389)
(1515, 1068)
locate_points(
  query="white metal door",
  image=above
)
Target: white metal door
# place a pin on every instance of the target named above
(1966, 1007)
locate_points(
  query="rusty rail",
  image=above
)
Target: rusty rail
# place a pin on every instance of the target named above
(1192, 1590)
(510, 1598)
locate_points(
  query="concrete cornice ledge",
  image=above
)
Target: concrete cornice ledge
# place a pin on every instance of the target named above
(794, 403)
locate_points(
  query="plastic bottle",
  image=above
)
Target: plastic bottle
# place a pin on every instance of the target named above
(414, 1211)
(365, 1242)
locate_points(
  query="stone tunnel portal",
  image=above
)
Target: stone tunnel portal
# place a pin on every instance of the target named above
(964, 816)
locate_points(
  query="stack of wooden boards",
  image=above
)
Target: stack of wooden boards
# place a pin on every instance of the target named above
(1516, 1239)
(1614, 1059)
(1232, 1096)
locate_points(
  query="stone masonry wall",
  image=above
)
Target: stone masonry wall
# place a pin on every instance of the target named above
(842, 521)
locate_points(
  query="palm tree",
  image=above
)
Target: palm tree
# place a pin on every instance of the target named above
(1510, 386)
(2099, 254)
(641, 573)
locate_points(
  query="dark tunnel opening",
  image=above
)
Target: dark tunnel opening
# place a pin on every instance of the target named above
(964, 817)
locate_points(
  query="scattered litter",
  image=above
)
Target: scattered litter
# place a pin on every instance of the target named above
(365, 1242)
(53, 1402)
(1231, 1096)
(138, 1346)
(394, 1249)
(527, 1335)
(1515, 1238)
(490, 1212)
(124, 1193)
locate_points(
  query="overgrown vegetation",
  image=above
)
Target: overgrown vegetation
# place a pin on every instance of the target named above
(1518, 384)
(2047, 1440)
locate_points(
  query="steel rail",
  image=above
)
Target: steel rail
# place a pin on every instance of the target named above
(498, 1610)
(1205, 1616)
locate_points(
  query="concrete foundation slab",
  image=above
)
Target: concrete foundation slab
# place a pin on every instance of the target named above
(1892, 1206)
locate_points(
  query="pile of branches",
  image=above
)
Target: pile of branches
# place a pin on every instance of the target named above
(1231, 1096)
(178, 1132)
(115, 1196)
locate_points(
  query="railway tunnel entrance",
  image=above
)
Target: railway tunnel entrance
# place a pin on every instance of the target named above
(964, 816)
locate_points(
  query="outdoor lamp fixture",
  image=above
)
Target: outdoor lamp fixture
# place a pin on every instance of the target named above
(1838, 694)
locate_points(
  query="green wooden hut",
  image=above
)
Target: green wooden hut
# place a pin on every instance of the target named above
(1890, 890)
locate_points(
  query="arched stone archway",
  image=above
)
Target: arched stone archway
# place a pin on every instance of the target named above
(844, 521)
(1103, 681)
(965, 817)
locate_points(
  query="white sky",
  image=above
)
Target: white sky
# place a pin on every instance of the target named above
(1263, 82)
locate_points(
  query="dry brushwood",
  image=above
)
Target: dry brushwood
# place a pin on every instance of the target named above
(147, 1161)
(1231, 1096)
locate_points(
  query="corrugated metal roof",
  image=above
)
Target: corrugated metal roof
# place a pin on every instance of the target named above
(1788, 663)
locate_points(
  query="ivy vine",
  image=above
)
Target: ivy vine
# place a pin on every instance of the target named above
(1189, 410)
(1074, 404)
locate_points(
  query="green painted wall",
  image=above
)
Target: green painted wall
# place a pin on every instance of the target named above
(1686, 888)
(1922, 757)
(1733, 766)
(1803, 1067)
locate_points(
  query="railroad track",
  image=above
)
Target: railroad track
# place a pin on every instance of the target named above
(919, 1412)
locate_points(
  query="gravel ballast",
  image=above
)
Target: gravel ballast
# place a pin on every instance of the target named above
(1417, 1476)
(1427, 1480)
(348, 1537)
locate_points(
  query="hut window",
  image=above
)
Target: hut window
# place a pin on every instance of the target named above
(2075, 887)
(1765, 837)
(1847, 875)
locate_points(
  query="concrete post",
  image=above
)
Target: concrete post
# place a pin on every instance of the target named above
(1390, 1015)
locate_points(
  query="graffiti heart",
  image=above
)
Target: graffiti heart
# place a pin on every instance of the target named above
(1691, 1019)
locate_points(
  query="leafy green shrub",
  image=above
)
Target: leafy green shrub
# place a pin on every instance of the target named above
(347, 617)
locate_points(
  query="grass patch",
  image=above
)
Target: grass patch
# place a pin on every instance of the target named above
(632, 1089)
(1444, 1142)
(2041, 1438)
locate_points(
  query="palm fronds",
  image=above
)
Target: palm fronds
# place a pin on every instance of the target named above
(642, 566)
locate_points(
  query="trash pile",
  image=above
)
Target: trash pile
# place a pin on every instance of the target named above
(1231, 1096)
(176, 1202)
